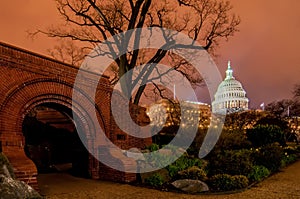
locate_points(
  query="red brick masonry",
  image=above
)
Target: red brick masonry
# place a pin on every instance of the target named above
(27, 80)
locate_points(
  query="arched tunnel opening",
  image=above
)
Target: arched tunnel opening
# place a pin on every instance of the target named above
(52, 142)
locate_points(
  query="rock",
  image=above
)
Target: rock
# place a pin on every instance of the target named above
(190, 186)
(5, 171)
(15, 189)
(135, 154)
(145, 151)
(5, 167)
(181, 151)
(167, 152)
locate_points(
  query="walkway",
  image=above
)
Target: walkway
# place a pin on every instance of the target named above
(283, 185)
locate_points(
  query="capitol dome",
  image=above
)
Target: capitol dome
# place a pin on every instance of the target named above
(230, 96)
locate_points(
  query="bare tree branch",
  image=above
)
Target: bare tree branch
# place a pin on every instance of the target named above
(91, 22)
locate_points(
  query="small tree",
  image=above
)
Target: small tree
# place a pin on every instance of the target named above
(262, 135)
(242, 120)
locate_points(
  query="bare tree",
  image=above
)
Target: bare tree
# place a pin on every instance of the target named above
(281, 108)
(94, 21)
(296, 91)
(68, 52)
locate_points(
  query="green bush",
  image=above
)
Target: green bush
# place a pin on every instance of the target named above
(269, 156)
(225, 182)
(240, 181)
(185, 162)
(194, 173)
(290, 150)
(233, 140)
(153, 147)
(155, 180)
(173, 170)
(228, 140)
(233, 162)
(297, 149)
(262, 135)
(258, 173)
(4, 161)
(288, 159)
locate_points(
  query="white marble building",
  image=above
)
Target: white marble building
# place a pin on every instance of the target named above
(230, 96)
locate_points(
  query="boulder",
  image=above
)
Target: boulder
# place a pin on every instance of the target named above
(4, 171)
(135, 154)
(15, 189)
(11, 188)
(181, 150)
(5, 167)
(190, 186)
(167, 152)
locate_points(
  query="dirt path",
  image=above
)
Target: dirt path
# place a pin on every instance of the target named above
(285, 184)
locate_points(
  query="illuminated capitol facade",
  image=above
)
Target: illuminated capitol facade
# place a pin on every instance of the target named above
(168, 113)
(230, 96)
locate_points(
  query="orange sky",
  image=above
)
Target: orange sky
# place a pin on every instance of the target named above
(265, 54)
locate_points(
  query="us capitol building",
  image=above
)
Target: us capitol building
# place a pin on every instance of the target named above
(230, 96)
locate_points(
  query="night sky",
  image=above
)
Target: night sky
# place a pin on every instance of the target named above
(265, 54)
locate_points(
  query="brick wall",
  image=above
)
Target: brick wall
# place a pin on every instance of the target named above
(28, 80)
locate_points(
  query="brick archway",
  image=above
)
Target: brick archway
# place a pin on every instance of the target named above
(19, 102)
(27, 80)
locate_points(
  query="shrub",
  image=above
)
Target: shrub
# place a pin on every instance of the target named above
(4, 161)
(288, 159)
(160, 160)
(228, 140)
(290, 150)
(258, 173)
(185, 162)
(269, 156)
(194, 173)
(297, 149)
(262, 135)
(240, 181)
(225, 182)
(153, 147)
(273, 120)
(233, 140)
(173, 170)
(233, 162)
(155, 180)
